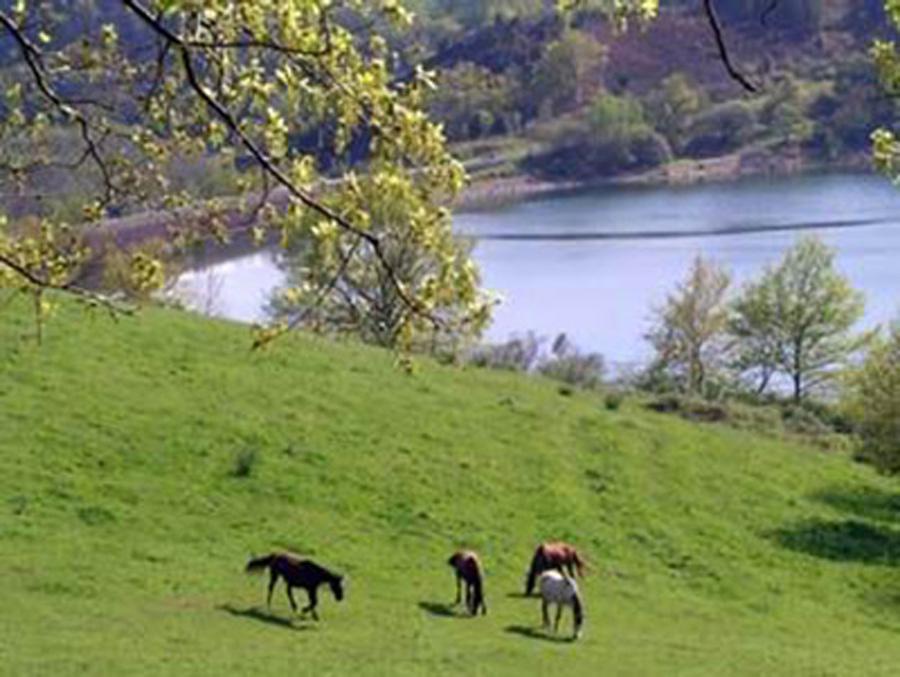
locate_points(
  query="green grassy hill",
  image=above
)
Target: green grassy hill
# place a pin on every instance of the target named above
(124, 530)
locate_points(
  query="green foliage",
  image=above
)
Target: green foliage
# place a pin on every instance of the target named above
(567, 71)
(688, 331)
(615, 118)
(241, 86)
(613, 400)
(472, 102)
(785, 112)
(568, 364)
(474, 13)
(873, 401)
(797, 319)
(885, 147)
(720, 129)
(672, 106)
(613, 138)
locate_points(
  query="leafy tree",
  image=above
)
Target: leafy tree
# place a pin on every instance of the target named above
(566, 70)
(785, 112)
(886, 148)
(162, 80)
(615, 118)
(612, 137)
(797, 318)
(673, 106)
(688, 335)
(758, 352)
(364, 299)
(570, 365)
(874, 401)
(720, 129)
(471, 101)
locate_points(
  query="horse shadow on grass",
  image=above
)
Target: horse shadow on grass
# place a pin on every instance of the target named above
(262, 616)
(442, 610)
(537, 633)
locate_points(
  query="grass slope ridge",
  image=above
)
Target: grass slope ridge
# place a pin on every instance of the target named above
(124, 530)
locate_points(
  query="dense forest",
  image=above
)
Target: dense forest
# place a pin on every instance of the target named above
(584, 100)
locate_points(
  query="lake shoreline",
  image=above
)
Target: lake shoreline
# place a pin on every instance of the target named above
(496, 192)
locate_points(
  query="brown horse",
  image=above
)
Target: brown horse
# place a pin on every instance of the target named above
(468, 569)
(557, 556)
(297, 573)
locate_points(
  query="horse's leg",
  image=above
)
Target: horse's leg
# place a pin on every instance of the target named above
(559, 608)
(544, 614)
(273, 579)
(469, 601)
(313, 601)
(290, 594)
(458, 588)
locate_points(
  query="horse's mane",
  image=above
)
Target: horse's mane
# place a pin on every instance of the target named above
(327, 573)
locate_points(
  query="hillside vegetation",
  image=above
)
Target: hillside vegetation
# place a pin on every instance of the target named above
(142, 462)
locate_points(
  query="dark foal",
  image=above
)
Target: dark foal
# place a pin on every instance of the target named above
(468, 569)
(298, 573)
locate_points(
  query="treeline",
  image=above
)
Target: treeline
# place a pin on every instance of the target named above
(554, 87)
(786, 340)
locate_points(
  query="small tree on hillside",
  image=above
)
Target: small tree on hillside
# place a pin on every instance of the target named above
(874, 401)
(758, 352)
(797, 318)
(688, 335)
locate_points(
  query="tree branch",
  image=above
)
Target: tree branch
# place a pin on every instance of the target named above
(714, 23)
(265, 162)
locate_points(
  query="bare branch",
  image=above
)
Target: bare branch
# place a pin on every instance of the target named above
(716, 26)
(34, 62)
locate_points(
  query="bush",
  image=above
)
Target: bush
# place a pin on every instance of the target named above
(244, 463)
(613, 401)
(573, 367)
(720, 130)
(517, 354)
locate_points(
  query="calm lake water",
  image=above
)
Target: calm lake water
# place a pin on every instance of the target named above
(593, 263)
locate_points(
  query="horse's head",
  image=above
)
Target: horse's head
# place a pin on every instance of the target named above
(337, 587)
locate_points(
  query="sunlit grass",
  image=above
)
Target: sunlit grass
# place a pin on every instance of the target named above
(127, 516)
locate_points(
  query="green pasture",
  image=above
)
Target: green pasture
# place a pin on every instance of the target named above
(125, 522)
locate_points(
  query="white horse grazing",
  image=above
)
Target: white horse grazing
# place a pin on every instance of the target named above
(557, 588)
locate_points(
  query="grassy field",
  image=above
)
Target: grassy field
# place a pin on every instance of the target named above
(124, 528)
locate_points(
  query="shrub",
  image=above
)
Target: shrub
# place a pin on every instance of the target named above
(517, 354)
(613, 401)
(720, 130)
(571, 366)
(245, 461)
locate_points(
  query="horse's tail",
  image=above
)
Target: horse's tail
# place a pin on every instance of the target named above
(255, 565)
(581, 566)
(578, 612)
(537, 565)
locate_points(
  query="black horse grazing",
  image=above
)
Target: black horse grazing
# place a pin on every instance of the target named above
(297, 573)
(468, 569)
